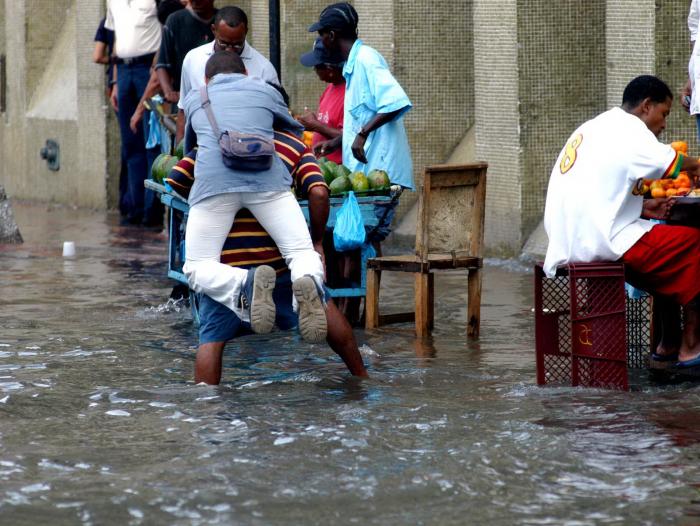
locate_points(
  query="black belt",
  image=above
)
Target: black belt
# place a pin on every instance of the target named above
(142, 59)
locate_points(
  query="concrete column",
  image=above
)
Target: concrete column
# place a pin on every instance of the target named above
(13, 142)
(92, 152)
(630, 43)
(497, 118)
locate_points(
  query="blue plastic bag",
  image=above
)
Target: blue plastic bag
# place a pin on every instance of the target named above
(349, 232)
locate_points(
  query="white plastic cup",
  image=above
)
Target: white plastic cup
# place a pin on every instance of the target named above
(68, 249)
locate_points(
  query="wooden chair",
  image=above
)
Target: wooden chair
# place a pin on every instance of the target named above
(449, 235)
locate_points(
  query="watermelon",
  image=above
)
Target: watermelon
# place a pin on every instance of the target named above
(379, 180)
(330, 171)
(169, 164)
(340, 185)
(180, 150)
(344, 170)
(157, 167)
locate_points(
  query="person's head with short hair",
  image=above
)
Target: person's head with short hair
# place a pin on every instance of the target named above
(202, 8)
(230, 29)
(167, 8)
(650, 99)
(328, 66)
(223, 62)
(337, 28)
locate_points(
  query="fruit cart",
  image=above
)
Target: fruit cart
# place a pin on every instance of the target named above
(177, 221)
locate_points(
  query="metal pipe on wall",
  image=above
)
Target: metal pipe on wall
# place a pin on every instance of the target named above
(275, 38)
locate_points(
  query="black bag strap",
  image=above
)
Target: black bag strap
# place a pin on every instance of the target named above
(206, 106)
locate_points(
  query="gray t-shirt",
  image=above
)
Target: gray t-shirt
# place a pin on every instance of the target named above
(243, 104)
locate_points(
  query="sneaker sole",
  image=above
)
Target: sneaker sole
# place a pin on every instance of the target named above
(262, 306)
(312, 314)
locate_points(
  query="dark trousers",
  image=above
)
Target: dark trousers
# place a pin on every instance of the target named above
(131, 83)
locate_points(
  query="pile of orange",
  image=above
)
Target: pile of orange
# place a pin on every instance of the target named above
(679, 186)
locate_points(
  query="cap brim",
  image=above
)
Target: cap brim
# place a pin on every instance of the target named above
(310, 60)
(315, 27)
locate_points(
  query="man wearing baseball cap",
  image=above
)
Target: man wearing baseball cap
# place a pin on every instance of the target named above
(373, 136)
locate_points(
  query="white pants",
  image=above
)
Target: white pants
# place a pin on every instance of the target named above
(209, 223)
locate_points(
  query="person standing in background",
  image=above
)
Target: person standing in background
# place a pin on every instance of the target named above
(137, 39)
(328, 122)
(182, 32)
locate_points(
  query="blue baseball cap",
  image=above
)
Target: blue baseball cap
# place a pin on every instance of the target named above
(319, 55)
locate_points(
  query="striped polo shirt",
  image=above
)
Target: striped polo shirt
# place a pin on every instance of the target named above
(248, 244)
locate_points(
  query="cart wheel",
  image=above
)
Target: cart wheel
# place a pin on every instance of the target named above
(194, 306)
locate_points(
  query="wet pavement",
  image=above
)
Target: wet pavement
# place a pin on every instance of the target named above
(100, 422)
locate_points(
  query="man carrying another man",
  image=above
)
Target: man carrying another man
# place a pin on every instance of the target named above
(593, 207)
(248, 246)
(246, 109)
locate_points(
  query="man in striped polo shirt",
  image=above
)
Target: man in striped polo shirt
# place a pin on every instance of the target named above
(248, 245)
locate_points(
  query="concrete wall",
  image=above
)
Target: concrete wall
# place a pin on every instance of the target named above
(504, 81)
(54, 92)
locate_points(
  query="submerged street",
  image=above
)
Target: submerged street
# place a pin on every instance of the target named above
(101, 423)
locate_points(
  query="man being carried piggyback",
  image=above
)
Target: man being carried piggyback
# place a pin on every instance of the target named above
(594, 207)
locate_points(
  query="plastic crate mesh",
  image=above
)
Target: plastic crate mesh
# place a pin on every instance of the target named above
(587, 332)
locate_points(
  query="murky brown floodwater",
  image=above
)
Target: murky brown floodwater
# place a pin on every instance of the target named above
(100, 422)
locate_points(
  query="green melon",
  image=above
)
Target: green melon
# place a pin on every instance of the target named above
(379, 180)
(360, 183)
(340, 185)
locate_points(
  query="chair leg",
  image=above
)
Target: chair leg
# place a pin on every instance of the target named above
(431, 301)
(474, 304)
(422, 304)
(372, 299)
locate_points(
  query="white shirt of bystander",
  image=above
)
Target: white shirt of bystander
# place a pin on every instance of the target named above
(593, 206)
(694, 63)
(136, 28)
(195, 63)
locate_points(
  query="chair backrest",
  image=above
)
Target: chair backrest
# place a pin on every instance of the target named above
(451, 210)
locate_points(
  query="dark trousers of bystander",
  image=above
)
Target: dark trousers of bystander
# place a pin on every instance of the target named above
(140, 203)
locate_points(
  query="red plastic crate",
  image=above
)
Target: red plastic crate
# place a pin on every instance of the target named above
(580, 326)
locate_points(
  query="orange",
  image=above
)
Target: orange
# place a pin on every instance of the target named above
(683, 190)
(671, 192)
(680, 146)
(681, 180)
(658, 192)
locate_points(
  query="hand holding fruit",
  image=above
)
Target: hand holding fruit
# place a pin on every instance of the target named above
(309, 119)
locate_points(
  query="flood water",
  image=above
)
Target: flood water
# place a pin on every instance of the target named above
(100, 422)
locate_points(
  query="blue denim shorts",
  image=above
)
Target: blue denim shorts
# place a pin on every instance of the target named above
(384, 212)
(218, 323)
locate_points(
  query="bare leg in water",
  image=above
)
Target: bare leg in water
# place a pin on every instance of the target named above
(667, 315)
(207, 366)
(690, 345)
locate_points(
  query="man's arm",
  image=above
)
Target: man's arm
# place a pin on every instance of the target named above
(163, 62)
(379, 120)
(152, 88)
(99, 55)
(310, 121)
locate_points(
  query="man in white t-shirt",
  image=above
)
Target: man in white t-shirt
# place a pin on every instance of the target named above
(594, 206)
(230, 29)
(137, 35)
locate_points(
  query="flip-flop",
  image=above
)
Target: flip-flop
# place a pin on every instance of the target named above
(693, 362)
(664, 357)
